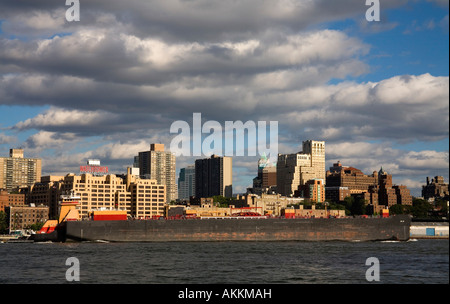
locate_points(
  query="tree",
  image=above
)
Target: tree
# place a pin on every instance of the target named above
(37, 226)
(359, 206)
(354, 205)
(421, 208)
(397, 209)
(442, 207)
(223, 201)
(348, 202)
(3, 223)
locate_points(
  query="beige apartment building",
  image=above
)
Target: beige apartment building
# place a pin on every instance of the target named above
(16, 171)
(294, 170)
(160, 165)
(141, 198)
(47, 192)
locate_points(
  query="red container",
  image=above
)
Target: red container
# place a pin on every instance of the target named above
(110, 217)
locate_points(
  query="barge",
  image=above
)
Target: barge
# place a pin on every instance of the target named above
(114, 226)
(241, 229)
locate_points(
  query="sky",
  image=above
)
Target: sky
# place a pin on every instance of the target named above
(109, 85)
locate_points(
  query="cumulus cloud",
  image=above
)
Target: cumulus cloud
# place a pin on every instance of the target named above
(50, 140)
(6, 139)
(426, 159)
(63, 118)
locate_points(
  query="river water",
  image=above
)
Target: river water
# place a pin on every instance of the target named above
(417, 261)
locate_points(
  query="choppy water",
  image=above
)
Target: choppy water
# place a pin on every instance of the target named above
(421, 261)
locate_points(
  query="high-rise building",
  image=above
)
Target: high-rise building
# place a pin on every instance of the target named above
(186, 182)
(213, 176)
(16, 171)
(294, 170)
(159, 165)
(386, 194)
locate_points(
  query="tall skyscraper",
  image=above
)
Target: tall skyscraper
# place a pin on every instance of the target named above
(214, 176)
(159, 165)
(186, 182)
(17, 171)
(294, 170)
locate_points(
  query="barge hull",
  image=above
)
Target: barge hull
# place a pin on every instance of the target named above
(248, 229)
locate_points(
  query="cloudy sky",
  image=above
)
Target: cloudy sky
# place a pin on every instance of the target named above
(111, 84)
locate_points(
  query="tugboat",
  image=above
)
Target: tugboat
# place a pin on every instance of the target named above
(54, 230)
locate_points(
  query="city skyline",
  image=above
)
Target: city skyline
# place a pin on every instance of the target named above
(108, 86)
(17, 154)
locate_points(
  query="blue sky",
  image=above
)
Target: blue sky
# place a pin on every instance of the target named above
(113, 83)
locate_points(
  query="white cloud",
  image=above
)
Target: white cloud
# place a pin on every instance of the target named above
(49, 140)
(426, 159)
(409, 89)
(55, 117)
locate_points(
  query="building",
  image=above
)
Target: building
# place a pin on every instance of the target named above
(266, 178)
(312, 212)
(296, 169)
(147, 198)
(186, 183)
(159, 165)
(47, 193)
(336, 194)
(351, 178)
(141, 198)
(271, 204)
(11, 199)
(314, 190)
(403, 194)
(214, 176)
(22, 217)
(267, 173)
(436, 188)
(386, 194)
(16, 171)
(376, 189)
(269, 177)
